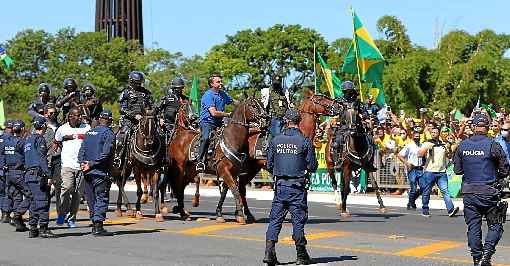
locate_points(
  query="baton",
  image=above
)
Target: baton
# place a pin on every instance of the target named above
(79, 180)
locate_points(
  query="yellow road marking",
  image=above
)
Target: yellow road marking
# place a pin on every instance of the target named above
(424, 250)
(320, 235)
(207, 229)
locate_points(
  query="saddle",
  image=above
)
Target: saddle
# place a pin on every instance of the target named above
(353, 144)
(213, 142)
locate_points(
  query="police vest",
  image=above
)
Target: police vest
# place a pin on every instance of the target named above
(33, 149)
(479, 168)
(95, 141)
(289, 154)
(171, 107)
(278, 104)
(13, 152)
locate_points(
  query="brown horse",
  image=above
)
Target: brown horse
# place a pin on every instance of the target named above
(355, 149)
(313, 106)
(142, 159)
(228, 155)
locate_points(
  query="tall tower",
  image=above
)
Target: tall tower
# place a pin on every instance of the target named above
(120, 18)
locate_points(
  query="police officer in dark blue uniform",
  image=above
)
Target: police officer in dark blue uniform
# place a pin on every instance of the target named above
(483, 163)
(6, 211)
(95, 157)
(36, 178)
(19, 194)
(290, 158)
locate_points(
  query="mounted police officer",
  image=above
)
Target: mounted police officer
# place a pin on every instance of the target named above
(36, 178)
(278, 105)
(483, 163)
(134, 100)
(95, 159)
(70, 99)
(92, 104)
(290, 158)
(6, 210)
(36, 108)
(212, 112)
(19, 196)
(350, 101)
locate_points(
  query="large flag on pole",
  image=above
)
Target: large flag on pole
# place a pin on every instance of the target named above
(333, 83)
(194, 95)
(6, 59)
(365, 60)
(2, 114)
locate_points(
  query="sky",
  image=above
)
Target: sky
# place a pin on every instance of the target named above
(193, 27)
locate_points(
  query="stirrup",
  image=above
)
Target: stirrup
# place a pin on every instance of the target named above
(200, 167)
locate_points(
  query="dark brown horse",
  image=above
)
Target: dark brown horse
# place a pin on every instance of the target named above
(142, 159)
(354, 151)
(313, 106)
(227, 160)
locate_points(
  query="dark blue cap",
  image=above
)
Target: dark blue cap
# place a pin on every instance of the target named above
(8, 123)
(292, 115)
(39, 122)
(107, 114)
(481, 120)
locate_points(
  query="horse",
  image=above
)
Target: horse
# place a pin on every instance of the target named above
(313, 106)
(142, 159)
(355, 150)
(228, 157)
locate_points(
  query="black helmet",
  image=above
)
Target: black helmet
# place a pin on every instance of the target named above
(43, 87)
(349, 90)
(136, 79)
(177, 83)
(39, 122)
(18, 125)
(88, 87)
(70, 85)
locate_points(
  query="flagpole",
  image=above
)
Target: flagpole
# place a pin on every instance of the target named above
(314, 69)
(357, 56)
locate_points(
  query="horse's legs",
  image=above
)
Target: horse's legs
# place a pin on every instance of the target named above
(234, 188)
(120, 184)
(196, 199)
(145, 197)
(346, 189)
(155, 190)
(162, 191)
(139, 192)
(219, 208)
(382, 209)
(242, 191)
(331, 173)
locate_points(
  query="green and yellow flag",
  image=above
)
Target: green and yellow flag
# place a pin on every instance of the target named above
(333, 83)
(365, 60)
(194, 95)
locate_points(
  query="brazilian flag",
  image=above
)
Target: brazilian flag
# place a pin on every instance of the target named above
(194, 95)
(333, 83)
(365, 59)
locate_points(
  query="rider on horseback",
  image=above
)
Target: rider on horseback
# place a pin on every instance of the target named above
(70, 99)
(212, 112)
(278, 105)
(134, 100)
(93, 106)
(350, 100)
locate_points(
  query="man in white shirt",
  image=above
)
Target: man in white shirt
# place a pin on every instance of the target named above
(414, 167)
(70, 136)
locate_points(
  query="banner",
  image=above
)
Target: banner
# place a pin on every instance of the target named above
(320, 180)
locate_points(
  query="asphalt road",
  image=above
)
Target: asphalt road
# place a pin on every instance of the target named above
(399, 237)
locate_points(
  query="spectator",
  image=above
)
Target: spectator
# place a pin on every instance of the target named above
(413, 166)
(504, 139)
(437, 156)
(69, 137)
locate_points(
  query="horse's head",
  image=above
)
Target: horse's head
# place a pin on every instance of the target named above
(251, 111)
(147, 128)
(320, 104)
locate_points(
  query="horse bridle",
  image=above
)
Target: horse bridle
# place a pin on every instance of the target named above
(328, 107)
(258, 116)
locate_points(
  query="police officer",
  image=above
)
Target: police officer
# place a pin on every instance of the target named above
(92, 104)
(95, 159)
(36, 178)
(19, 196)
(36, 108)
(134, 100)
(278, 105)
(70, 99)
(290, 158)
(6, 211)
(483, 164)
(169, 107)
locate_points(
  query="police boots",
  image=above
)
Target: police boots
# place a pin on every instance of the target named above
(486, 258)
(270, 256)
(20, 225)
(302, 255)
(476, 261)
(6, 218)
(44, 232)
(34, 231)
(98, 230)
